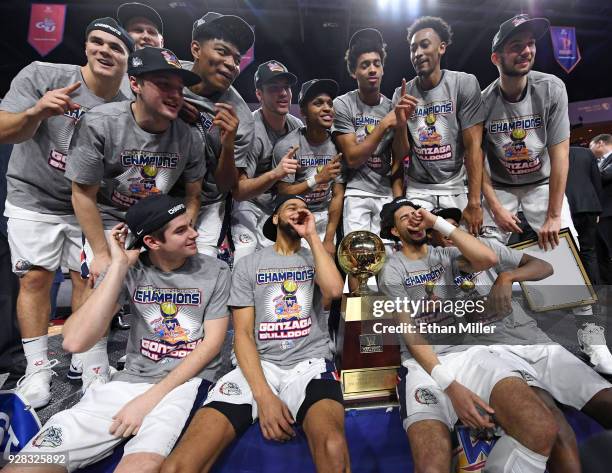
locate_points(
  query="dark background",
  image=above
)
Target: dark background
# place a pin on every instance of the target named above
(310, 36)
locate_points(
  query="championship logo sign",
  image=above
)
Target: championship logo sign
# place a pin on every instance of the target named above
(46, 30)
(565, 47)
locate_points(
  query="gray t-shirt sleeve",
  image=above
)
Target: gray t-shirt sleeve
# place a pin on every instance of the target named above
(85, 161)
(243, 292)
(195, 169)
(24, 92)
(244, 137)
(217, 307)
(252, 158)
(470, 109)
(343, 122)
(558, 124)
(390, 281)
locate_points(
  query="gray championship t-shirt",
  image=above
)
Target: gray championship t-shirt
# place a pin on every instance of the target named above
(169, 311)
(259, 159)
(311, 159)
(212, 136)
(354, 116)
(35, 176)
(435, 132)
(517, 135)
(515, 328)
(290, 325)
(405, 278)
(129, 163)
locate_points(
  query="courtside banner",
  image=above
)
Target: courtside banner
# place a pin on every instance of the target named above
(565, 46)
(46, 30)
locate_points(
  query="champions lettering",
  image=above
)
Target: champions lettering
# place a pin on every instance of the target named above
(436, 108)
(419, 279)
(146, 158)
(361, 121)
(283, 330)
(311, 161)
(506, 126)
(270, 276)
(155, 295)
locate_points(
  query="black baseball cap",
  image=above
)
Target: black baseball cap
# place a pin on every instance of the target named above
(387, 215)
(451, 212)
(127, 11)
(234, 28)
(314, 87)
(150, 59)
(269, 229)
(516, 24)
(109, 25)
(367, 34)
(272, 70)
(150, 214)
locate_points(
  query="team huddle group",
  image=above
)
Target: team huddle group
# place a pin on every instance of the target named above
(123, 171)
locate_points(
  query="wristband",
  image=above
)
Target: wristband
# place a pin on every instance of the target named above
(442, 376)
(444, 227)
(312, 182)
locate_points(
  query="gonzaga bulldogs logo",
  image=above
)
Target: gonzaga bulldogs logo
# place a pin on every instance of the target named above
(50, 437)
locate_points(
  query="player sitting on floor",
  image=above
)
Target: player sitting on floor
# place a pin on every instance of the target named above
(284, 374)
(179, 301)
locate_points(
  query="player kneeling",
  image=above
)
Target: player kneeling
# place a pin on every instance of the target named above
(284, 375)
(179, 300)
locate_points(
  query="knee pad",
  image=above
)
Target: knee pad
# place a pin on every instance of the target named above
(510, 456)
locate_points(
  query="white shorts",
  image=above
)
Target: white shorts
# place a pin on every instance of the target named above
(556, 370)
(534, 202)
(82, 431)
(247, 224)
(477, 368)
(363, 213)
(288, 384)
(44, 244)
(209, 225)
(438, 201)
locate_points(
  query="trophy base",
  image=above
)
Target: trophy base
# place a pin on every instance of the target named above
(368, 361)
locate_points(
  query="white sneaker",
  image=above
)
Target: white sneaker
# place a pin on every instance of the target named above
(35, 386)
(76, 368)
(592, 342)
(92, 378)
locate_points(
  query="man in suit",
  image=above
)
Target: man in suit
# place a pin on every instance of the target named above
(601, 147)
(583, 193)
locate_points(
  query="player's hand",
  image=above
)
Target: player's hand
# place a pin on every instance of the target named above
(189, 113)
(227, 121)
(549, 233)
(99, 264)
(287, 165)
(473, 217)
(506, 221)
(422, 219)
(470, 409)
(128, 420)
(116, 244)
(499, 300)
(404, 107)
(275, 420)
(303, 222)
(331, 170)
(330, 247)
(55, 102)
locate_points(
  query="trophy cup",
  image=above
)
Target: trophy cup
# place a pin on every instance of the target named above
(368, 361)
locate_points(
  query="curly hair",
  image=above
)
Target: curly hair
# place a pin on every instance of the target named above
(441, 27)
(362, 47)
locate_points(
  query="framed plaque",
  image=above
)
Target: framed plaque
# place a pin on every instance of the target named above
(569, 285)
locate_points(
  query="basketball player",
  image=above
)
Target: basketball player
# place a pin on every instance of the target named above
(254, 195)
(285, 374)
(179, 300)
(39, 114)
(319, 174)
(527, 148)
(444, 131)
(451, 379)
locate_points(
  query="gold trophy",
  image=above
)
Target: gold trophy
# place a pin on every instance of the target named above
(368, 360)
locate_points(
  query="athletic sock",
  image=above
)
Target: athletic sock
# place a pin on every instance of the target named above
(95, 360)
(36, 352)
(510, 456)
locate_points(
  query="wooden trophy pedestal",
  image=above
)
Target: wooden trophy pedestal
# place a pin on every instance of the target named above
(368, 361)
